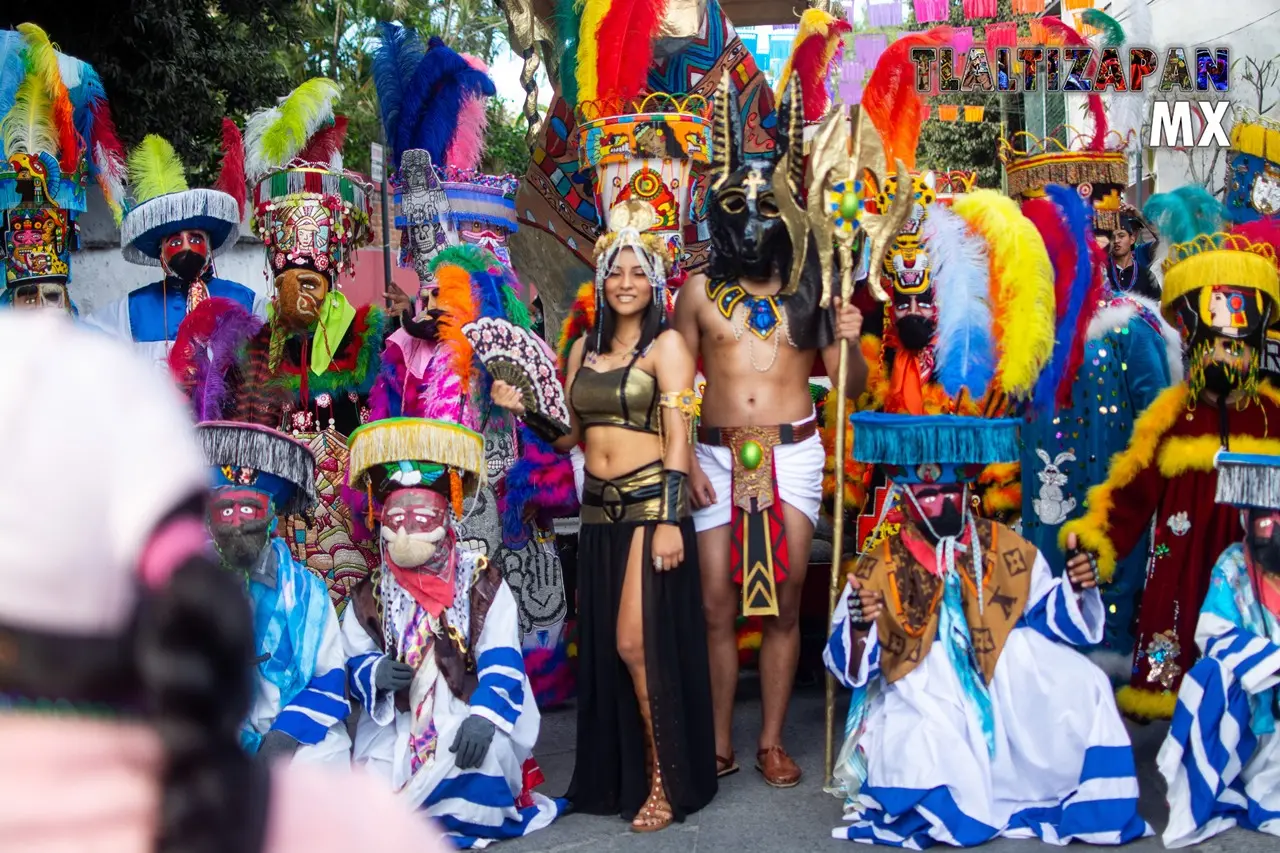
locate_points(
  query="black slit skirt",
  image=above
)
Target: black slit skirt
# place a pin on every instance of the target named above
(610, 774)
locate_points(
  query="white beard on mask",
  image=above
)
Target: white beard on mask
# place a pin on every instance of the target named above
(411, 550)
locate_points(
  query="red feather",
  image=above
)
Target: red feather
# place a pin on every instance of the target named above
(811, 63)
(1265, 230)
(231, 177)
(890, 98)
(1062, 248)
(1097, 287)
(625, 47)
(1059, 28)
(327, 143)
(104, 129)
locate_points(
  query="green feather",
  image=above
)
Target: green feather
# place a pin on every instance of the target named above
(517, 311)
(569, 21)
(471, 258)
(275, 136)
(154, 169)
(1183, 213)
(1112, 32)
(28, 126)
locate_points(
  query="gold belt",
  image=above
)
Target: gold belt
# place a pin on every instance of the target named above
(633, 497)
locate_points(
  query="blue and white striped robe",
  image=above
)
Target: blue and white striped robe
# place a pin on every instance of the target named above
(915, 767)
(316, 714)
(476, 806)
(1222, 757)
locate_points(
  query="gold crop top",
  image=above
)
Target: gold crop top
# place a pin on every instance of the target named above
(624, 397)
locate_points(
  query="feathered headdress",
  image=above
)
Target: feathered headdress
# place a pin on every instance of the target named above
(293, 156)
(1064, 223)
(890, 98)
(965, 349)
(431, 98)
(1021, 294)
(207, 346)
(163, 205)
(613, 51)
(54, 120)
(814, 53)
(579, 320)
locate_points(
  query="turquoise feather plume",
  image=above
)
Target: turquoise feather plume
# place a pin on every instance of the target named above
(1185, 212)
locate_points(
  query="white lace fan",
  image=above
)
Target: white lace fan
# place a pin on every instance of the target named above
(523, 360)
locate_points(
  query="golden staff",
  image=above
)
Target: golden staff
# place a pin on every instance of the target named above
(839, 160)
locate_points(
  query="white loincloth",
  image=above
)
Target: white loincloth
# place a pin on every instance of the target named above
(797, 468)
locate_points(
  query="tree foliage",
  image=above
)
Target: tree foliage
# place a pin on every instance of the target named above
(176, 67)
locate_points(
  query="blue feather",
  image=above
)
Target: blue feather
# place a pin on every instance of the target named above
(12, 68)
(965, 354)
(394, 64)
(83, 98)
(432, 99)
(1185, 212)
(1076, 218)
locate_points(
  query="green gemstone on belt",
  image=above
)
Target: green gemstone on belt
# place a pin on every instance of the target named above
(751, 455)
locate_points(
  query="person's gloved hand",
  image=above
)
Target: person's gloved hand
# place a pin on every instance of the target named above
(276, 744)
(390, 674)
(472, 743)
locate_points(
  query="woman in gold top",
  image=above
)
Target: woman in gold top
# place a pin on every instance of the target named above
(645, 740)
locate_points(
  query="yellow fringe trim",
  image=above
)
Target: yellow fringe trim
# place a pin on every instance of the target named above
(395, 439)
(1093, 528)
(1257, 140)
(1183, 453)
(1233, 267)
(1022, 291)
(1146, 705)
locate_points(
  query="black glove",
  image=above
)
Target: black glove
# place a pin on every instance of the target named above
(390, 674)
(276, 744)
(472, 743)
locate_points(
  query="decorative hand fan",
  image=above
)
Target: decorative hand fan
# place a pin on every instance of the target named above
(523, 360)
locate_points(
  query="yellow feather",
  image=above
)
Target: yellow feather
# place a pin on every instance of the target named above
(593, 12)
(1146, 704)
(1022, 295)
(154, 169)
(812, 22)
(27, 127)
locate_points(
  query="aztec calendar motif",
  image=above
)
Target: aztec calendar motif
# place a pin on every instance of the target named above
(322, 541)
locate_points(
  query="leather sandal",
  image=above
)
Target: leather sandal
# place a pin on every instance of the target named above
(726, 766)
(777, 767)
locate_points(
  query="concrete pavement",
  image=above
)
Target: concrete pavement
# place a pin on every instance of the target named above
(748, 816)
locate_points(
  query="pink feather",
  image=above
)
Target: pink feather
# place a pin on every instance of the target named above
(231, 177)
(467, 146)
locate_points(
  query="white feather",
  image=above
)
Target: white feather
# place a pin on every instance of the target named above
(1128, 110)
(961, 280)
(255, 127)
(69, 68)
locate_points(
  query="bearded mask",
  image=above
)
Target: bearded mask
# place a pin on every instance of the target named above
(241, 521)
(1223, 328)
(418, 545)
(1263, 539)
(938, 508)
(300, 292)
(185, 255)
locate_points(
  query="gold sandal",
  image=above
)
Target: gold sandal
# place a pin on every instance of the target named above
(656, 812)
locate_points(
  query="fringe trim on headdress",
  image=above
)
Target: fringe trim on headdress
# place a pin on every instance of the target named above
(398, 439)
(1228, 266)
(1073, 168)
(1248, 481)
(911, 440)
(1257, 140)
(263, 449)
(179, 211)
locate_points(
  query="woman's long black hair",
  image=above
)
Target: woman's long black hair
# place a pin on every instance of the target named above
(652, 323)
(185, 665)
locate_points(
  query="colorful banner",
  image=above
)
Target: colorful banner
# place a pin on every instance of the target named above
(948, 112)
(962, 40)
(1000, 35)
(868, 47)
(931, 11)
(852, 74)
(885, 14)
(972, 113)
(1028, 7)
(980, 8)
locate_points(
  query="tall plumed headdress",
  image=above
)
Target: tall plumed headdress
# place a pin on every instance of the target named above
(261, 458)
(307, 210)
(814, 55)
(1096, 164)
(162, 204)
(416, 452)
(57, 132)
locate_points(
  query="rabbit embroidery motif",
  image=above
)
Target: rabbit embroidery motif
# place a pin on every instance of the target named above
(1050, 507)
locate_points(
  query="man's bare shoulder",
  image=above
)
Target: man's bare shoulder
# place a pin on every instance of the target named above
(694, 290)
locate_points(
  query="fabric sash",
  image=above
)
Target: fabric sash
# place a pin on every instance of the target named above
(760, 557)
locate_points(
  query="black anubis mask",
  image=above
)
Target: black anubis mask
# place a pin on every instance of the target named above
(748, 215)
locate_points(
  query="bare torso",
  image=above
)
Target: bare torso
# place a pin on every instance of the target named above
(750, 381)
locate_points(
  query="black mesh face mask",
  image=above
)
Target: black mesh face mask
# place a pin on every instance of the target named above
(1263, 526)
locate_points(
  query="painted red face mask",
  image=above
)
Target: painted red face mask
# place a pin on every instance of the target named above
(185, 254)
(418, 546)
(240, 522)
(939, 508)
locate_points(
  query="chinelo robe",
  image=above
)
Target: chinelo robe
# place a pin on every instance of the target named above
(299, 683)
(151, 315)
(969, 724)
(1166, 475)
(412, 751)
(1128, 355)
(1221, 759)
